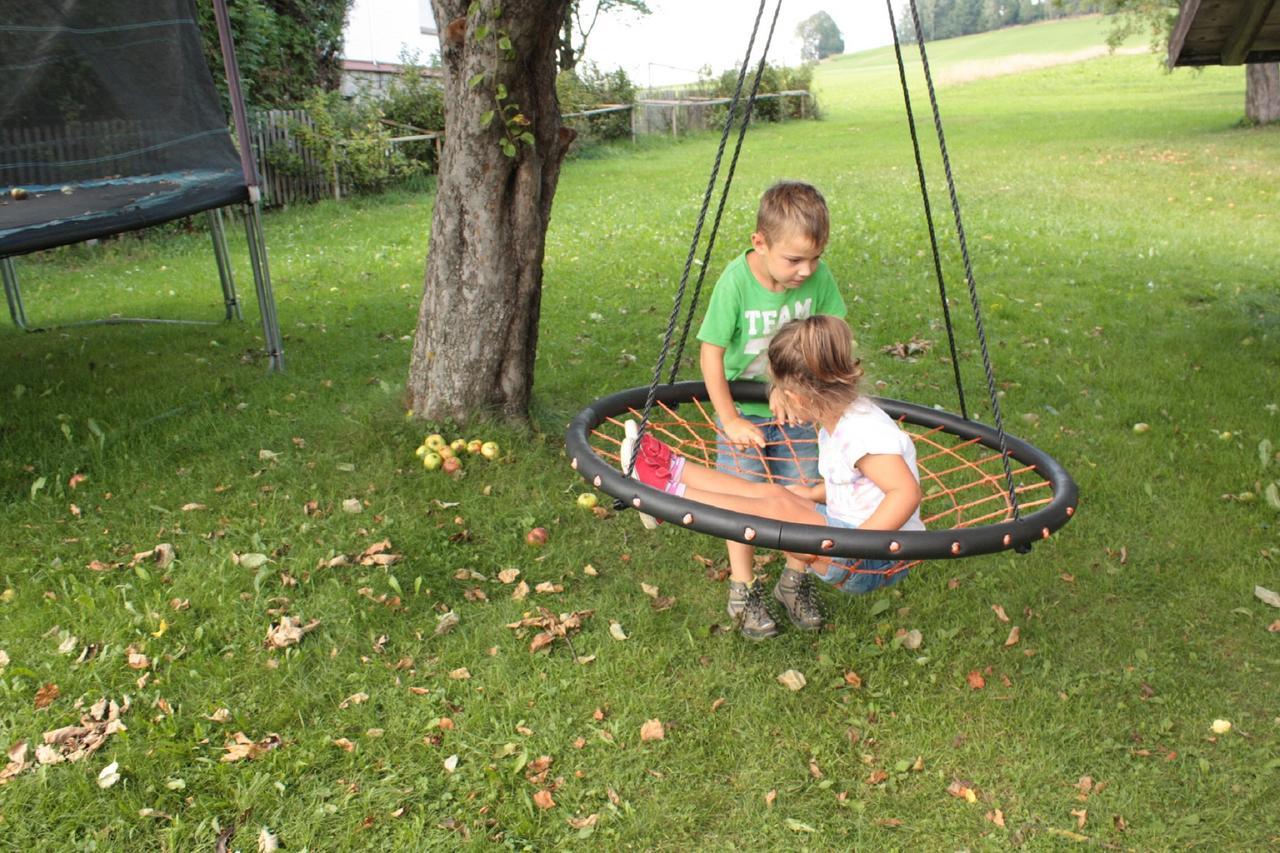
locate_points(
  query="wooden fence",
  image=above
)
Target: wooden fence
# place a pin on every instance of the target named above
(291, 172)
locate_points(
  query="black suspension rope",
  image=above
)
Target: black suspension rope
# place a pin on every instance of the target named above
(702, 215)
(968, 265)
(724, 196)
(928, 214)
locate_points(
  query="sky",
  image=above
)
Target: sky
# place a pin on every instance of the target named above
(660, 49)
(680, 36)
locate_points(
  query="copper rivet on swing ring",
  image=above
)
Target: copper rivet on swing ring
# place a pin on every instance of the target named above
(688, 518)
(635, 502)
(1045, 533)
(1071, 511)
(596, 481)
(574, 463)
(955, 547)
(894, 547)
(1008, 540)
(827, 544)
(748, 534)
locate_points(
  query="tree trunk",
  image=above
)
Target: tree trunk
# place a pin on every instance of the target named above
(568, 56)
(477, 331)
(1262, 92)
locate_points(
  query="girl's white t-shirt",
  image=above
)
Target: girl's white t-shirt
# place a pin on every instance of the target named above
(863, 429)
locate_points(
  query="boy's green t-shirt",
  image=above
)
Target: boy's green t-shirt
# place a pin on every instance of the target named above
(742, 317)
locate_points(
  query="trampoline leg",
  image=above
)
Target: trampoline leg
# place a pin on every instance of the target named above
(262, 281)
(225, 273)
(12, 293)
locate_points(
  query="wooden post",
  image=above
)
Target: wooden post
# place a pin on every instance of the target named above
(675, 118)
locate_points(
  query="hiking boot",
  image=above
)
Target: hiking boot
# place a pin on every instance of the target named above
(747, 607)
(796, 592)
(655, 465)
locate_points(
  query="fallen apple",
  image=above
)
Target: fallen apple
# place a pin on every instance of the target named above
(458, 445)
(489, 450)
(422, 451)
(474, 445)
(435, 441)
(452, 465)
(431, 460)
(588, 500)
(536, 537)
(446, 452)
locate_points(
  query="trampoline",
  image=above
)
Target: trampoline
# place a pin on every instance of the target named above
(110, 122)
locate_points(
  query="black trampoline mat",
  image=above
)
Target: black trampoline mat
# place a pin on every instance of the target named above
(40, 217)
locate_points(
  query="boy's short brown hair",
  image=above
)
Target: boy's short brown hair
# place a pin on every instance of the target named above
(793, 206)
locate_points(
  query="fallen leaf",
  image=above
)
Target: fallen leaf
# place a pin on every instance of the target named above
(877, 777)
(852, 679)
(962, 790)
(542, 799)
(75, 480)
(352, 506)
(45, 696)
(662, 602)
(288, 631)
(975, 680)
(1219, 727)
(192, 507)
(219, 716)
(909, 349)
(250, 561)
(583, 822)
(508, 575)
(615, 631)
(345, 744)
(814, 770)
(1274, 627)
(354, 699)
(796, 826)
(460, 674)
(99, 566)
(1000, 614)
(651, 591)
(770, 797)
(547, 587)
(652, 730)
(137, 660)
(717, 704)
(913, 639)
(446, 622)
(1120, 823)
(1266, 596)
(889, 821)
(109, 775)
(541, 641)
(451, 763)
(1081, 815)
(267, 842)
(792, 679)
(17, 755)
(1015, 633)
(996, 816)
(590, 571)
(241, 747)
(521, 591)
(68, 645)
(4, 658)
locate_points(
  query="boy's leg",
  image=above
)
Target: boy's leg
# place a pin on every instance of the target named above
(792, 452)
(746, 603)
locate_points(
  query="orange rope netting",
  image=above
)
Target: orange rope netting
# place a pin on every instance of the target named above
(963, 480)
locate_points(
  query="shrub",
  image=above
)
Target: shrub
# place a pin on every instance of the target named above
(416, 101)
(587, 87)
(350, 136)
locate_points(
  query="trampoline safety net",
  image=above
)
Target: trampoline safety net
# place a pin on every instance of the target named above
(109, 120)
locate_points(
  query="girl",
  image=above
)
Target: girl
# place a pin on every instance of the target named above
(868, 464)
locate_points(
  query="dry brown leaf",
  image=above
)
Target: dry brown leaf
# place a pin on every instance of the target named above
(652, 730)
(547, 587)
(219, 716)
(192, 507)
(597, 714)
(891, 822)
(877, 777)
(1120, 823)
(99, 566)
(996, 816)
(345, 744)
(508, 575)
(46, 694)
(354, 699)
(814, 770)
(1274, 627)
(1015, 634)
(590, 571)
(583, 822)
(460, 674)
(579, 742)
(962, 790)
(975, 680)
(446, 622)
(1000, 614)
(241, 747)
(792, 679)
(136, 659)
(17, 755)
(72, 743)
(288, 631)
(542, 799)
(771, 797)
(662, 602)
(1081, 816)
(541, 641)
(852, 679)
(649, 590)
(521, 592)
(716, 705)
(1085, 785)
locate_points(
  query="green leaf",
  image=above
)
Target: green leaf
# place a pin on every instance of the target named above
(880, 607)
(504, 43)
(473, 8)
(475, 80)
(508, 147)
(394, 584)
(486, 117)
(1273, 494)
(495, 12)
(1264, 452)
(501, 91)
(527, 138)
(482, 31)
(37, 486)
(796, 826)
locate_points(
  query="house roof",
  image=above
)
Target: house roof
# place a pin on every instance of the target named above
(372, 67)
(1225, 32)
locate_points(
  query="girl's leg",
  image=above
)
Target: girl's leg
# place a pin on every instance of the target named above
(776, 503)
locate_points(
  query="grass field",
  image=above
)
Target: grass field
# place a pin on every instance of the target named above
(1122, 227)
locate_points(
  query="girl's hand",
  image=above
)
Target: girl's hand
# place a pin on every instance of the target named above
(782, 411)
(809, 493)
(742, 431)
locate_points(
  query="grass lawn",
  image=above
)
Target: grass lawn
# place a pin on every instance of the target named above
(1122, 228)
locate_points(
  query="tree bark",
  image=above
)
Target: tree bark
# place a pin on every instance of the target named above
(1262, 92)
(477, 332)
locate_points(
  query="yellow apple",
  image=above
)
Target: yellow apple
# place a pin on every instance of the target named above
(431, 460)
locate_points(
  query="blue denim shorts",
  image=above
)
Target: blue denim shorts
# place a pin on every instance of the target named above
(854, 576)
(790, 454)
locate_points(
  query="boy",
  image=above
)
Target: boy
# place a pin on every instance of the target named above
(781, 277)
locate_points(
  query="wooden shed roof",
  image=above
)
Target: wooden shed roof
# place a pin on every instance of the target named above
(1225, 32)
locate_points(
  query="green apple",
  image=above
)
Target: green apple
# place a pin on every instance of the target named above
(435, 441)
(422, 451)
(431, 460)
(588, 500)
(489, 450)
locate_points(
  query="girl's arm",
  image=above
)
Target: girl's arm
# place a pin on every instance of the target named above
(816, 493)
(901, 490)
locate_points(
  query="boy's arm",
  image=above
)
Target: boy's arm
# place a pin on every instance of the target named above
(737, 429)
(901, 490)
